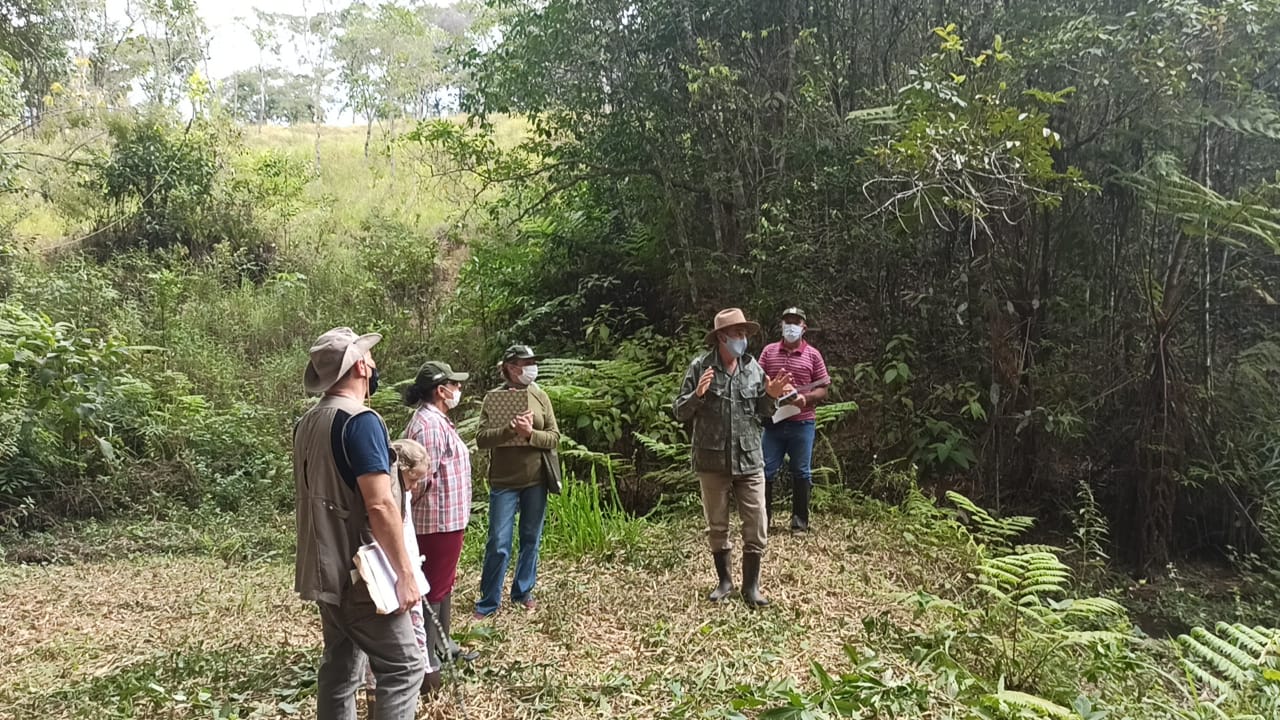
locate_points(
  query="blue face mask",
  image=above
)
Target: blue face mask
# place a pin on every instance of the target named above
(736, 346)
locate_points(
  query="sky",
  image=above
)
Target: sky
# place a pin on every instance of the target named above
(231, 47)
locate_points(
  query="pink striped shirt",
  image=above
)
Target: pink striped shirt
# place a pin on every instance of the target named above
(445, 504)
(805, 364)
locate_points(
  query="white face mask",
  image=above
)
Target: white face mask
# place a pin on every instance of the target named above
(528, 374)
(452, 401)
(791, 333)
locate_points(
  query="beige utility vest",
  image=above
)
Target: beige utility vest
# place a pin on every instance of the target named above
(331, 516)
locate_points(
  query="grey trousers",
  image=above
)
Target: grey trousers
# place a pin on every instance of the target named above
(387, 640)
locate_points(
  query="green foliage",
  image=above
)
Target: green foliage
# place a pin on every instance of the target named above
(926, 428)
(870, 686)
(94, 424)
(994, 533)
(158, 179)
(972, 148)
(58, 382)
(1090, 538)
(1234, 660)
(401, 267)
(225, 684)
(587, 520)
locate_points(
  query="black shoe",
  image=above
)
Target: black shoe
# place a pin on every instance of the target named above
(751, 581)
(798, 526)
(722, 574)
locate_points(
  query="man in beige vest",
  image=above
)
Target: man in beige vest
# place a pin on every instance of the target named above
(342, 470)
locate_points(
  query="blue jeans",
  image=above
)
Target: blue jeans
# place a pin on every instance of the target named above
(503, 504)
(794, 439)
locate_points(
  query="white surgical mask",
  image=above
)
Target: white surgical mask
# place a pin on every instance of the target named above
(737, 346)
(452, 401)
(528, 374)
(791, 333)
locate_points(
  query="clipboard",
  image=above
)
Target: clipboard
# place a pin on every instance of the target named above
(500, 407)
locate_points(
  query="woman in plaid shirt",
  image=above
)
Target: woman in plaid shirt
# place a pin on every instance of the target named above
(442, 508)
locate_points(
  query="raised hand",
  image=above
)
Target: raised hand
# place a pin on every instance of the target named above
(704, 382)
(779, 386)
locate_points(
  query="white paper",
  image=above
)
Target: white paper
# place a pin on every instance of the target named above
(786, 411)
(375, 569)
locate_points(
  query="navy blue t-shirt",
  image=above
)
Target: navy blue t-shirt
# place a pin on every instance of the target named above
(363, 439)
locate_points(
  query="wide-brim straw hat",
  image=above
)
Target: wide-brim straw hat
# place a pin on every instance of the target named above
(730, 318)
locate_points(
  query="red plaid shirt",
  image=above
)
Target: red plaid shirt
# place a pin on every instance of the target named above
(445, 504)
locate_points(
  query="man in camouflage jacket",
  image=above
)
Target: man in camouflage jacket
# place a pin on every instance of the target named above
(724, 396)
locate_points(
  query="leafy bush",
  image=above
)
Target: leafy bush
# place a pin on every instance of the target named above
(92, 424)
(159, 179)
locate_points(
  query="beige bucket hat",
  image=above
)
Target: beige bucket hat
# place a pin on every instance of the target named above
(333, 355)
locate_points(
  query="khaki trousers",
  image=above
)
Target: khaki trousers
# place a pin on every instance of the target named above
(748, 492)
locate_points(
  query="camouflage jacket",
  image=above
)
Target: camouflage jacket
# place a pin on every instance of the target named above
(727, 420)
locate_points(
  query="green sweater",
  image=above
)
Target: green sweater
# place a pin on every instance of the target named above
(518, 467)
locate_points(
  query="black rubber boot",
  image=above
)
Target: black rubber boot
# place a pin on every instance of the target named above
(800, 506)
(455, 650)
(431, 685)
(751, 580)
(722, 573)
(435, 643)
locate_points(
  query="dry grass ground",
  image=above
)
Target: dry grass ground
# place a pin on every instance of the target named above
(185, 636)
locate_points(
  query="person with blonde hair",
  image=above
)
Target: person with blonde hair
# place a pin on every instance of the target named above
(412, 464)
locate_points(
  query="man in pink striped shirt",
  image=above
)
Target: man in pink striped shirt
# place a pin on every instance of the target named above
(793, 437)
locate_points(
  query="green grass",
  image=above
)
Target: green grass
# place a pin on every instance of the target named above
(586, 519)
(349, 188)
(224, 682)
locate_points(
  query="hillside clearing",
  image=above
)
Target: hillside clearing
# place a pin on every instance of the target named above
(179, 635)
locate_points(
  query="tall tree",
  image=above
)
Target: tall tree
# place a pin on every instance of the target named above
(34, 35)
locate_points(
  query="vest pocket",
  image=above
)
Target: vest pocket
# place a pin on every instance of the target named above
(333, 556)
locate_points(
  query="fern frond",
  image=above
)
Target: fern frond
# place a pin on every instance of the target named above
(1258, 122)
(1094, 607)
(1222, 665)
(1033, 703)
(986, 529)
(1092, 637)
(1034, 548)
(833, 413)
(1043, 589)
(1238, 657)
